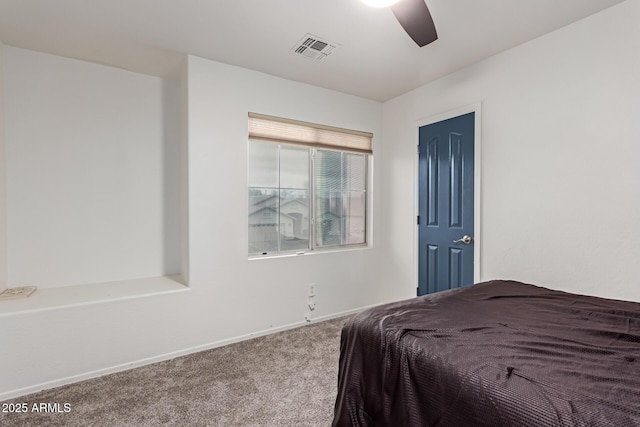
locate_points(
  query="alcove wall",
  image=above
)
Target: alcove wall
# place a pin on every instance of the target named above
(94, 166)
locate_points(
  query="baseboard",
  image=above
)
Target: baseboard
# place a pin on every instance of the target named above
(168, 356)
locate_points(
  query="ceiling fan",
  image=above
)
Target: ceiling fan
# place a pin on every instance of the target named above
(413, 16)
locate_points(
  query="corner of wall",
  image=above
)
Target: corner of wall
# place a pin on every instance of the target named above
(184, 168)
(3, 209)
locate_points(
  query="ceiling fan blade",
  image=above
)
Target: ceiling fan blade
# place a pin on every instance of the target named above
(415, 18)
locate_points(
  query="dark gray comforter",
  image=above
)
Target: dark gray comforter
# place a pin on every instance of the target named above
(498, 353)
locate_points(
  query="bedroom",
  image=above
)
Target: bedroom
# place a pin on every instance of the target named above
(560, 199)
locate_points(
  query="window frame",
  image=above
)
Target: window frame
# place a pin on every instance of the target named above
(313, 246)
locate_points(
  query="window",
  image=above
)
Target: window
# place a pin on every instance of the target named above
(340, 198)
(279, 208)
(305, 195)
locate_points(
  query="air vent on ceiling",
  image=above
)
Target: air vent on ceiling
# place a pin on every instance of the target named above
(313, 47)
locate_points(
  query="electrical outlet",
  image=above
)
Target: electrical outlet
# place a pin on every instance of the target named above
(312, 289)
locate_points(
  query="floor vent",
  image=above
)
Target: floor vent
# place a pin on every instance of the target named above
(313, 47)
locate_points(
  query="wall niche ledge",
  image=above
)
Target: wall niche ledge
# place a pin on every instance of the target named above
(93, 293)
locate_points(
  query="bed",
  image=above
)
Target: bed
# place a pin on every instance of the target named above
(498, 353)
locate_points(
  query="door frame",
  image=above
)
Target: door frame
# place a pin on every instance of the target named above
(471, 108)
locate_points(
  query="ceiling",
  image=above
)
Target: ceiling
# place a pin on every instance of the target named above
(375, 58)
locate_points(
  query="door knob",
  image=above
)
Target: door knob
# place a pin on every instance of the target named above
(465, 239)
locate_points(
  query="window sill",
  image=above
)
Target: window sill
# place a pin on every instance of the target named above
(71, 296)
(313, 252)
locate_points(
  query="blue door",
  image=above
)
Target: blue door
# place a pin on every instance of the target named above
(446, 175)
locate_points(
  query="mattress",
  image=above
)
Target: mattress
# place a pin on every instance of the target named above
(497, 353)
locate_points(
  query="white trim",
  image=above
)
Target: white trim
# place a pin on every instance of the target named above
(330, 250)
(471, 108)
(167, 356)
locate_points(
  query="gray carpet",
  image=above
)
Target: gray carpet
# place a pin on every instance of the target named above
(285, 379)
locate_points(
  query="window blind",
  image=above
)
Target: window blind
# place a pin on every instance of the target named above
(289, 131)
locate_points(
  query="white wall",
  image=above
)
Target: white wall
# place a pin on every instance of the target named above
(559, 184)
(3, 212)
(230, 297)
(93, 172)
(266, 291)
(560, 154)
